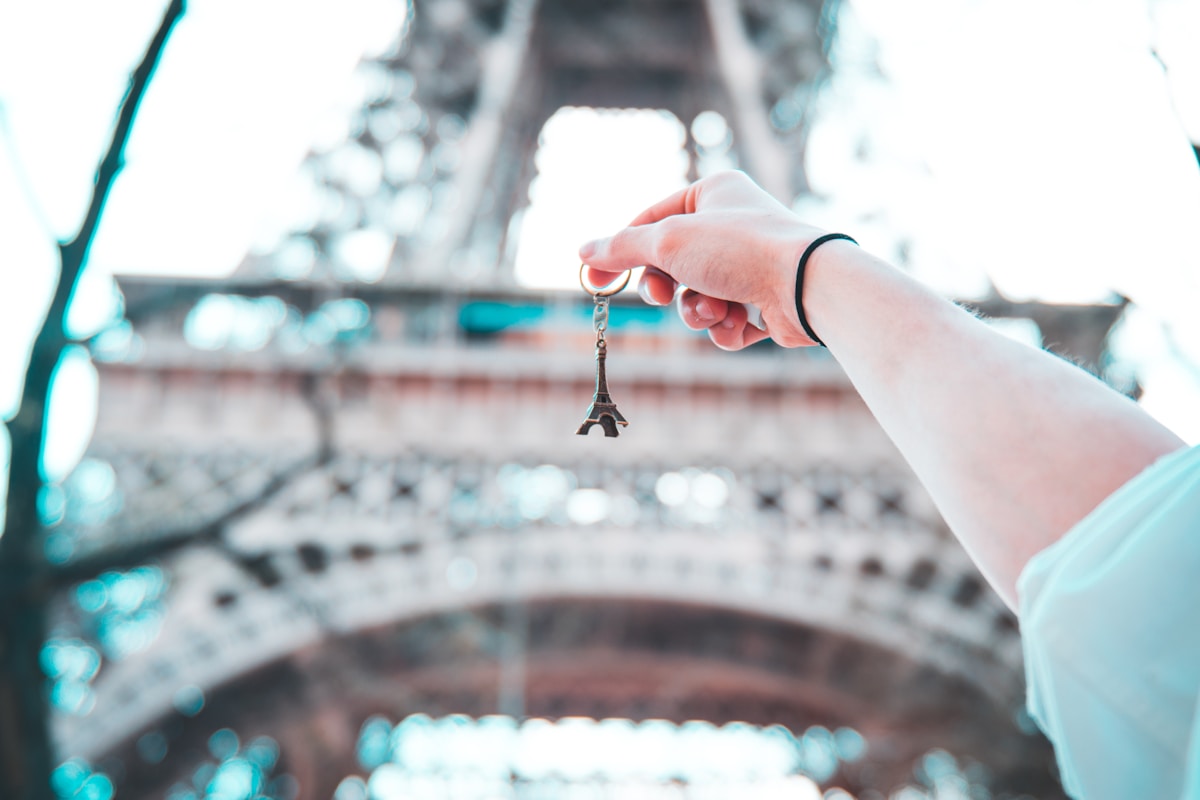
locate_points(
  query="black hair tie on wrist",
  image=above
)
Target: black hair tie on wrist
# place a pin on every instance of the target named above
(820, 240)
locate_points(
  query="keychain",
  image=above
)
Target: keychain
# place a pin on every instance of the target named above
(603, 411)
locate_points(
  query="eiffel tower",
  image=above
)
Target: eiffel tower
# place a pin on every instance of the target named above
(385, 518)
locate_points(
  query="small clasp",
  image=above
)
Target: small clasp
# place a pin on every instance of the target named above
(600, 314)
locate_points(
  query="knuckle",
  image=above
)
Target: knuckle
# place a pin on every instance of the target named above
(619, 242)
(669, 240)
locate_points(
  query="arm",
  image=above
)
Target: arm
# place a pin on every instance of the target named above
(1014, 445)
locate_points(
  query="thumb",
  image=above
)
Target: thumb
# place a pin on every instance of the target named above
(629, 248)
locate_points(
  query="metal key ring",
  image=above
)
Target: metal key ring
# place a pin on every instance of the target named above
(602, 291)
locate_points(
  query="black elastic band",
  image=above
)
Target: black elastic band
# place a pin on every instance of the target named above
(820, 240)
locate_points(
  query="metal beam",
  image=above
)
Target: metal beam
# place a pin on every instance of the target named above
(502, 66)
(765, 157)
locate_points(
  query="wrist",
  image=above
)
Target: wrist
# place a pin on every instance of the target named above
(802, 268)
(794, 296)
(836, 272)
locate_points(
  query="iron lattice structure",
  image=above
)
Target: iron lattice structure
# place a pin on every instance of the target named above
(395, 516)
(439, 156)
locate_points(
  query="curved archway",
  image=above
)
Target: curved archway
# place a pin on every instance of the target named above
(635, 659)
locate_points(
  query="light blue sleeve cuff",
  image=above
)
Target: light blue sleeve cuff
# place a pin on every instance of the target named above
(1110, 624)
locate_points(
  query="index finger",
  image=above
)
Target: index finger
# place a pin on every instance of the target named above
(654, 287)
(729, 188)
(635, 245)
(602, 279)
(681, 202)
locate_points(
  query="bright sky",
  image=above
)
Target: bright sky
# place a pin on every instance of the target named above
(241, 93)
(624, 171)
(1013, 138)
(1005, 138)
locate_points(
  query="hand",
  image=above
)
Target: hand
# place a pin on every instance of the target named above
(726, 242)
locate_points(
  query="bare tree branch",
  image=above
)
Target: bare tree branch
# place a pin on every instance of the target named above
(210, 531)
(27, 429)
(27, 756)
(213, 531)
(74, 252)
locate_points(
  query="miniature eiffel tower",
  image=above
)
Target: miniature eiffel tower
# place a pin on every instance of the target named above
(603, 411)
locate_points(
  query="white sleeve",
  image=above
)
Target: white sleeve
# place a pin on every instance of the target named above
(1110, 624)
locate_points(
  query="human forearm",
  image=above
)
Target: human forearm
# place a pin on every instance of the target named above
(1014, 445)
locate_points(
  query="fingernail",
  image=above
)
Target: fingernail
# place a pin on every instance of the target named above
(728, 323)
(704, 310)
(590, 249)
(644, 293)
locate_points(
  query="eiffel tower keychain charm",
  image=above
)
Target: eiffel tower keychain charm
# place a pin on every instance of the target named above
(603, 411)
